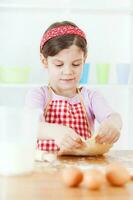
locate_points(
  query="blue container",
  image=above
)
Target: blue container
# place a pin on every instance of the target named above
(123, 70)
(85, 74)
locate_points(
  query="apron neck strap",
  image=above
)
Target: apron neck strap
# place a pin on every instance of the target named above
(85, 112)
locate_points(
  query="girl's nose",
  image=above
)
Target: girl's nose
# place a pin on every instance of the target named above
(67, 70)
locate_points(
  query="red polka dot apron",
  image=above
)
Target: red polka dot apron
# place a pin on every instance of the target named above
(69, 114)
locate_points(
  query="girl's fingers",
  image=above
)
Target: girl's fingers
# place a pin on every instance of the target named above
(101, 133)
(69, 144)
(99, 137)
(65, 145)
(107, 135)
(109, 138)
(105, 138)
(76, 139)
(62, 151)
(112, 136)
(115, 139)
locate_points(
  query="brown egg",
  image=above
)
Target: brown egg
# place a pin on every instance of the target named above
(72, 176)
(94, 179)
(117, 174)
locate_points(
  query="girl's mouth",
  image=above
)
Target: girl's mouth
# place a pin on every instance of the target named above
(67, 80)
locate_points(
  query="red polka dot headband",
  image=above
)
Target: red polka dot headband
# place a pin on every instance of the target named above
(61, 30)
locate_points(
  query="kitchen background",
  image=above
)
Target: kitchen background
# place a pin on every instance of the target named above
(109, 28)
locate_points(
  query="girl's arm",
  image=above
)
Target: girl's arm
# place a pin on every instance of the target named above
(110, 121)
(51, 131)
(64, 136)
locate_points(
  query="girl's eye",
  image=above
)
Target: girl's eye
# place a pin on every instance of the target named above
(59, 65)
(76, 65)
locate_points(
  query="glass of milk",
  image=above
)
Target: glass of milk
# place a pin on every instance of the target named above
(18, 134)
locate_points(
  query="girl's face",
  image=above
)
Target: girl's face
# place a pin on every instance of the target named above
(65, 69)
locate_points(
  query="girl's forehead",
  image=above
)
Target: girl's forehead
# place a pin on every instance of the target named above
(73, 52)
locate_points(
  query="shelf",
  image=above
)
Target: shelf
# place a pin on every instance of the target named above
(113, 86)
(29, 85)
(66, 8)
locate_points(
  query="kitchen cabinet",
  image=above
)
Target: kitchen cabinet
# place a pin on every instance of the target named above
(108, 25)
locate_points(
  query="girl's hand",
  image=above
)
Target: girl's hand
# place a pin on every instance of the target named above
(65, 137)
(70, 141)
(109, 131)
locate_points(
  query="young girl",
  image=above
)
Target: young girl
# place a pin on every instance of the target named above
(69, 112)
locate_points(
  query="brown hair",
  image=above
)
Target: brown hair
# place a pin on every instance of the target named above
(56, 44)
